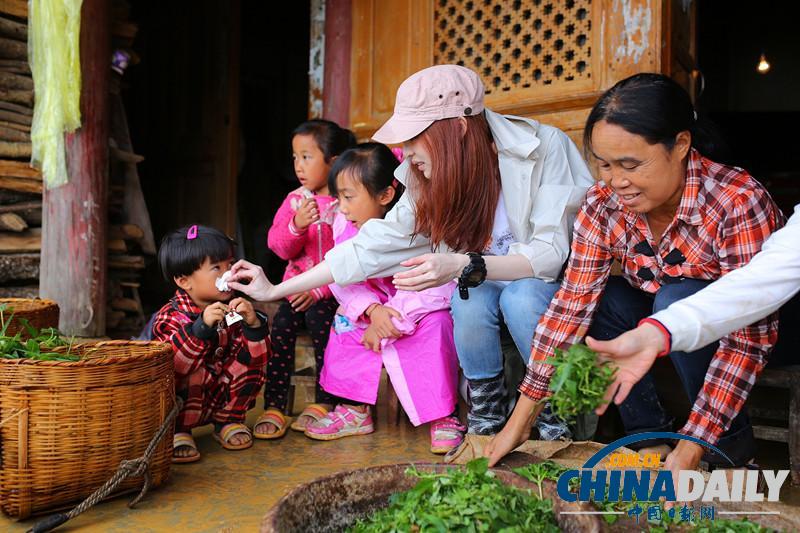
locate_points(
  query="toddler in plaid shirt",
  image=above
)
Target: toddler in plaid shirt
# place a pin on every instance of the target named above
(220, 342)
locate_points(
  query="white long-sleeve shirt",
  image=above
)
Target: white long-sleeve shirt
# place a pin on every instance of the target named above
(740, 298)
(543, 178)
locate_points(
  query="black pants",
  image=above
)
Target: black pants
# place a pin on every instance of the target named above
(286, 324)
(620, 309)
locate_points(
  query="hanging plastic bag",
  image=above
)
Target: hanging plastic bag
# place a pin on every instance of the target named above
(54, 57)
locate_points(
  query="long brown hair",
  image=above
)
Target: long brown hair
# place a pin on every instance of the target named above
(456, 206)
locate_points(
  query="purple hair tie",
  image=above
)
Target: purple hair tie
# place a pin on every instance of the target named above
(192, 233)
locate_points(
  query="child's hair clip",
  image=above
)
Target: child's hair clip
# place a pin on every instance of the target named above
(395, 183)
(192, 233)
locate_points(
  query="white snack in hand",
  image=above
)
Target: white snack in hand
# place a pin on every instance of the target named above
(232, 317)
(222, 282)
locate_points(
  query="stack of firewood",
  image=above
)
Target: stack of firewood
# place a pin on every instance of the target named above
(20, 185)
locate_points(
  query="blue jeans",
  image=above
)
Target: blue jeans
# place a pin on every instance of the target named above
(477, 321)
(620, 309)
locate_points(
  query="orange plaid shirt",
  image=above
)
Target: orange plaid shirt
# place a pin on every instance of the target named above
(723, 218)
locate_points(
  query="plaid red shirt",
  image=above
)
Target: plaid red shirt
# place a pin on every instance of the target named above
(218, 371)
(722, 220)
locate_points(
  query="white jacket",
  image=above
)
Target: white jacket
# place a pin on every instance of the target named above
(741, 297)
(544, 180)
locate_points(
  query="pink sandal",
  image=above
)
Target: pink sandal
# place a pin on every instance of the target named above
(446, 434)
(341, 422)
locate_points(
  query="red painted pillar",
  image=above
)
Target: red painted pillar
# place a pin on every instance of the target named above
(338, 38)
(73, 266)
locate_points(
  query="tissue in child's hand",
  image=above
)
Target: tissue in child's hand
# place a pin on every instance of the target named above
(222, 282)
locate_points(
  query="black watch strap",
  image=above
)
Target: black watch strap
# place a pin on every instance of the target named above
(476, 266)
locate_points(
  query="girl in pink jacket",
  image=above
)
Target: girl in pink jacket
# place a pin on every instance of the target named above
(301, 234)
(410, 333)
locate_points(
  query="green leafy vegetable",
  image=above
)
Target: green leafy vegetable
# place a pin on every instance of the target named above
(538, 472)
(579, 381)
(470, 499)
(39, 346)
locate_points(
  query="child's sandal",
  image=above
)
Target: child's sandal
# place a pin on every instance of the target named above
(180, 440)
(274, 417)
(229, 430)
(314, 411)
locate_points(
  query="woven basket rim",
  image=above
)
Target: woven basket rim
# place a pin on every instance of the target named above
(158, 349)
(37, 302)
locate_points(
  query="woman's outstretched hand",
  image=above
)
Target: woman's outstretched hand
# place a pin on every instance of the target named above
(633, 353)
(516, 431)
(430, 270)
(258, 286)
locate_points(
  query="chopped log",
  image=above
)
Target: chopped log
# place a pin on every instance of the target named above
(20, 184)
(16, 108)
(17, 97)
(14, 135)
(15, 126)
(11, 116)
(20, 207)
(27, 241)
(12, 49)
(14, 69)
(17, 267)
(13, 222)
(27, 291)
(117, 246)
(126, 262)
(126, 231)
(11, 197)
(31, 212)
(19, 169)
(13, 29)
(16, 8)
(126, 304)
(15, 149)
(9, 80)
(125, 157)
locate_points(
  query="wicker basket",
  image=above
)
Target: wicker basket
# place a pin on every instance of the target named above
(40, 313)
(67, 425)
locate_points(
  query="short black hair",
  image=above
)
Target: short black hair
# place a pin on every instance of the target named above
(373, 165)
(180, 255)
(331, 138)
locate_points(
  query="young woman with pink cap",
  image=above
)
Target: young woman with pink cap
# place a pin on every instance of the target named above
(493, 197)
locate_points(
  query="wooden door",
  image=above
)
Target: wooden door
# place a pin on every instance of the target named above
(192, 93)
(679, 45)
(545, 59)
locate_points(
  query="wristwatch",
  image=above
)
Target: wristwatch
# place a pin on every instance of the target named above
(473, 274)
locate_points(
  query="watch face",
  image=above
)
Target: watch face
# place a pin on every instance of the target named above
(475, 276)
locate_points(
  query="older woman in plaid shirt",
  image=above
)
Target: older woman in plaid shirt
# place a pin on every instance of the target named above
(676, 221)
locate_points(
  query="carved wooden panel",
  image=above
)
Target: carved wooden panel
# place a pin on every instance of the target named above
(516, 44)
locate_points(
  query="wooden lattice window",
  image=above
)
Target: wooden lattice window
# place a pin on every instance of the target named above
(516, 44)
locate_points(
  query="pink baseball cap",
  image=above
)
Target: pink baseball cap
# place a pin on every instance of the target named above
(434, 93)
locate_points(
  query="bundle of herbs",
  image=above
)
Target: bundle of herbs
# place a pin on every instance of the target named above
(469, 499)
(579, 381)
(38, 346)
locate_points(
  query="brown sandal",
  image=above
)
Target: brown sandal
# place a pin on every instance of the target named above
(184, 439)
(277, 419)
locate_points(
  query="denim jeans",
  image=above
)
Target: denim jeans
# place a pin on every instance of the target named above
(620, 309)
(477, 321)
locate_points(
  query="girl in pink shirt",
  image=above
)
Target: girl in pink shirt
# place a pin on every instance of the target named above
(409, 333)
(301, 234)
